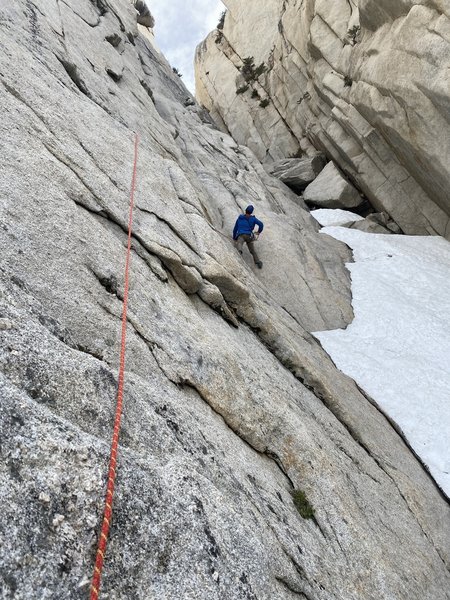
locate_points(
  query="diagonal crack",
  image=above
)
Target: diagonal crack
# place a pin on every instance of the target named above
(21, 99)
(63, 160)
(292, 587)
(64, 336)
(281, 541)
(170, 226)
(273, 456)
(426, 535)
(97, 165)
(96, 24)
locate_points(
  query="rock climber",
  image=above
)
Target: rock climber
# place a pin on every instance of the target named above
(243, 232)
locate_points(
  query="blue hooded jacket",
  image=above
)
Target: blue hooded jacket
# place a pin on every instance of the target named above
(245, 225)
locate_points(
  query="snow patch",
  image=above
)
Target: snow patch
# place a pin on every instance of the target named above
(398, 346)
(330, 216)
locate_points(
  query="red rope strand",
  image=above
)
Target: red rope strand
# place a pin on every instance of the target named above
(107, 513)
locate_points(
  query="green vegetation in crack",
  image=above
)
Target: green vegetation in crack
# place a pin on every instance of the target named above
(302, 504)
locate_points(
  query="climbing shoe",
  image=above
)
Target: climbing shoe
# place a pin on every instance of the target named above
(259, 264)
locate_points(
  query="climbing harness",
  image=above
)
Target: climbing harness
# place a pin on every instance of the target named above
(107, 513)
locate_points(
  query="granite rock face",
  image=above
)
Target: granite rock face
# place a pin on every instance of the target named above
(364, 81)
(331, 190)
(230, 404)
(297, 173)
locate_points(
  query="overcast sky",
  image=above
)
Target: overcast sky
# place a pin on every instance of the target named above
(180, 26)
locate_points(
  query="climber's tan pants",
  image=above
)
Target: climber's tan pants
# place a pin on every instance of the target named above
(248, 239)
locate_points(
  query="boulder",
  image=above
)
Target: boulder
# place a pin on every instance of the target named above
(384, 220)
(298, 172)
(145, 17)
(367, 226)
(374, 223)
(331, 190)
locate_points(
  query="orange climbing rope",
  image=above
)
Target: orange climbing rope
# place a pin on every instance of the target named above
(107, 513)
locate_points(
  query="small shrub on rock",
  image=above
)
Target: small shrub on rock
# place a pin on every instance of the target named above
(250, 71)
(221, 22)
(264, 103)
(259, 70)
(242, 89)
(248, 68)
(353, 33)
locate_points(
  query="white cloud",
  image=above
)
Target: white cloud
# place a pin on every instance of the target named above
(180, 27)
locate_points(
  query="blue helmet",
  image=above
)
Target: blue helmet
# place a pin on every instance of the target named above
(250, 208)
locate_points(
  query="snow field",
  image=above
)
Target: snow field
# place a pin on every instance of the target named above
(398, 346)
